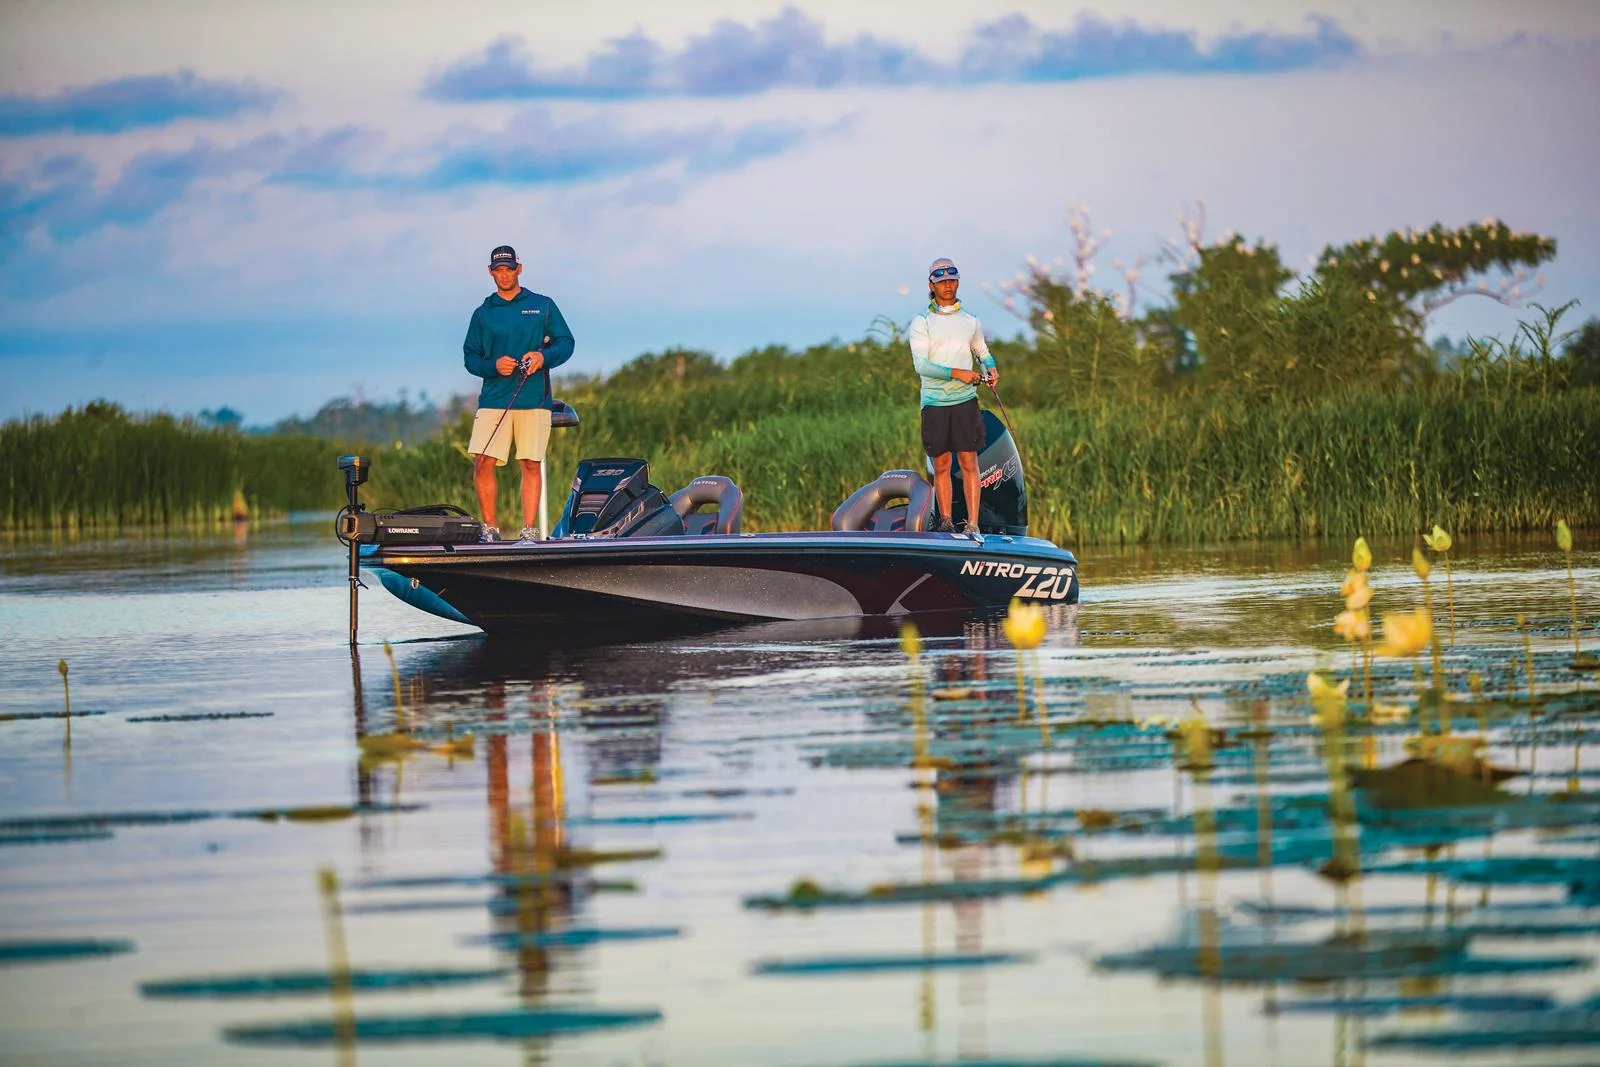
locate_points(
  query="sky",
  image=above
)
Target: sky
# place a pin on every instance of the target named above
(268, 205)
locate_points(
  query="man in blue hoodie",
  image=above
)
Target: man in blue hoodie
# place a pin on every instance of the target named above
(514, 339)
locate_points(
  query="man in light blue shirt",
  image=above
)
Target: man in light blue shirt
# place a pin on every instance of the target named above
(946, 346)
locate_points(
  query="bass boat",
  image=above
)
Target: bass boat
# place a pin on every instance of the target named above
(627, 557)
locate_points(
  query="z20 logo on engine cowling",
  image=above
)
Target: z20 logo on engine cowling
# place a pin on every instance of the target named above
(1038, 583)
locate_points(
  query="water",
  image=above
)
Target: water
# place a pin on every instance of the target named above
(212, 681)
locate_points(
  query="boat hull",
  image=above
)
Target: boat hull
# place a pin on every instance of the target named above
(707, 581)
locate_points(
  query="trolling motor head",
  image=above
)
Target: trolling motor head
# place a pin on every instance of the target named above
(356, 469)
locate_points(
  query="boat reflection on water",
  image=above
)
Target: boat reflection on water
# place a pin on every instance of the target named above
(553, 706)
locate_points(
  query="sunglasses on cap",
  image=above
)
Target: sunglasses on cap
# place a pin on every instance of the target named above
(943, 272)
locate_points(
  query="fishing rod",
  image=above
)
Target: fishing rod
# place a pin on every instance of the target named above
(1004, 415)
(522, 364)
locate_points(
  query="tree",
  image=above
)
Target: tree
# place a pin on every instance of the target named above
(1423, 270)
(1582, 354)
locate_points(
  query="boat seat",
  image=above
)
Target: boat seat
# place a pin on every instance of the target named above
(710, 489)
(873, 507)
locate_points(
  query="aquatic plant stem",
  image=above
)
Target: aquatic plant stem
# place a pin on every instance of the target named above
(1366, 672)
(1210, 930)
(339, 986)
(1259, 714)
(66, 693)
(1450, 594)
(1438, 655)
(399, 704)
(1572, 591)
(1038, 703)
(1533, 701)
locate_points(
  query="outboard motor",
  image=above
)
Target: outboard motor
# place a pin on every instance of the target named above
(614, 498)
(1003, 498)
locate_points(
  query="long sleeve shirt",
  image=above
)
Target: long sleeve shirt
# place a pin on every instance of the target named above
(946, 339)
(529, 322)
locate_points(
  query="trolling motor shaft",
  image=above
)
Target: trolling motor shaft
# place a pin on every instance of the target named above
(356, 469)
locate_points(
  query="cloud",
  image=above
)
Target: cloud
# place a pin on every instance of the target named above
(533, 148)
(63, 196)
(791, 51)
(1013, 49)
(129, 103)
(66, 197)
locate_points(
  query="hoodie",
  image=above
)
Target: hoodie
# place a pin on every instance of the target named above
(946, 339)
(529, 322)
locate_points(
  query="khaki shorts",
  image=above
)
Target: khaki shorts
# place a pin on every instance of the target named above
(530, 427)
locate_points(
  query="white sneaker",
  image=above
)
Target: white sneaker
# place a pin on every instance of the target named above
(490, 534)
(529, 535)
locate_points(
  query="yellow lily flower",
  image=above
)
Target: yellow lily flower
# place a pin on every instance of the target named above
(1405, 633)
(1439, 541)
(1025, 625)
(1563, 536)
(1320, 688)
(1328, 700)
(910, 640)
(1196, 735)
(1419, 563)
(1362, 555)
(1382, 712)
(1352, 581)
(1353, 625)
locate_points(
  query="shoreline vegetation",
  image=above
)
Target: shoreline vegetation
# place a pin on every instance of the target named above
(1247, 408)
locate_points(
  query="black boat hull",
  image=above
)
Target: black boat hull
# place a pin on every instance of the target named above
(703, 582)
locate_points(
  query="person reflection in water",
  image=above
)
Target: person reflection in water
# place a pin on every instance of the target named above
(528, 850)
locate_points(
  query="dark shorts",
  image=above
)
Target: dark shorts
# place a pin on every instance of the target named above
(957, 428)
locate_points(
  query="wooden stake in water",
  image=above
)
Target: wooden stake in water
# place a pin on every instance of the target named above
(339, 986)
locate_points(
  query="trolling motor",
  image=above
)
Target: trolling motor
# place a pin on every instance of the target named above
(1003, 495)
(355, 469)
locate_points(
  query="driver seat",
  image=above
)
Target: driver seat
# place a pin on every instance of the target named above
(710, 489)
(874, 506)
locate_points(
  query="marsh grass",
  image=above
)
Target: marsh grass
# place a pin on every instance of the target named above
(97, 466)
(799, 431)
(1133, 470)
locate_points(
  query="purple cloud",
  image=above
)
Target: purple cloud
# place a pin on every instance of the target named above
(535, 149)
(791, 51)
(128, 103)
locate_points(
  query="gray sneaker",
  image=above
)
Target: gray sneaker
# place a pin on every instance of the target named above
(971, 530)
(941, 524)
(529, 535)
(490, 534)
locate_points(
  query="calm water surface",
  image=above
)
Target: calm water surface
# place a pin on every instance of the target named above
(212, 682)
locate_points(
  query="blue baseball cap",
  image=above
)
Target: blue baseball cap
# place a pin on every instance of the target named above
(504, 256)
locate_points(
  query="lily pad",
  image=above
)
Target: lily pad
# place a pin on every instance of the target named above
(1416, 783)
(452, 1026)
(293, 983)
(903, 962)
(575, 936)
(39, 951)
